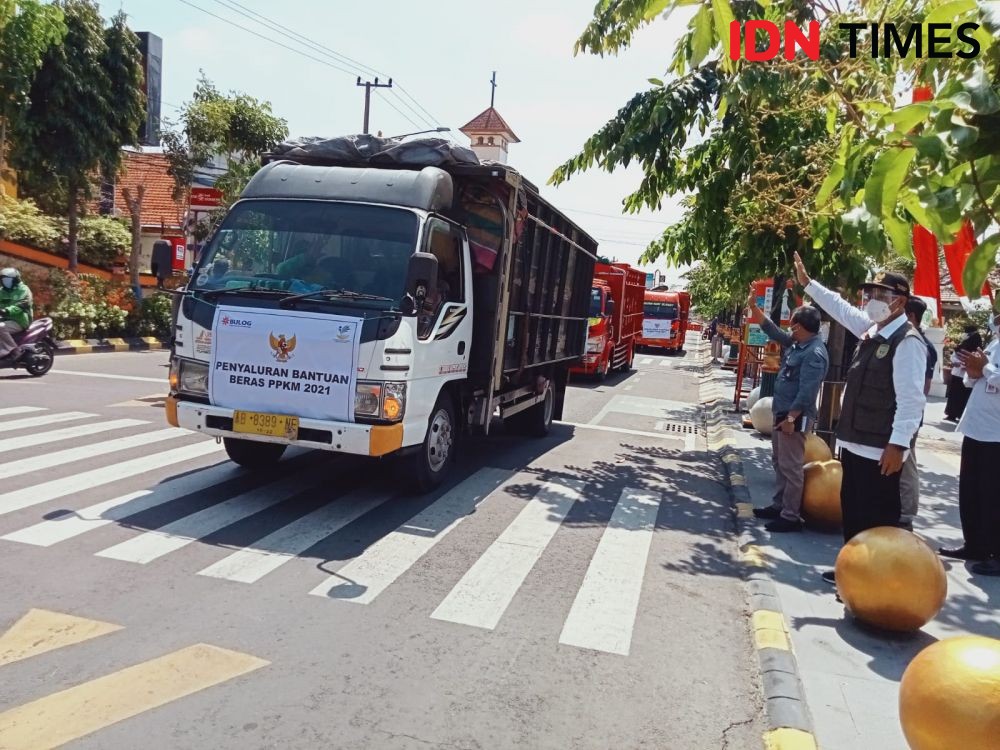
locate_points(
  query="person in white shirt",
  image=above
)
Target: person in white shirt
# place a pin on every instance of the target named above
(883, 398)
(978, 489)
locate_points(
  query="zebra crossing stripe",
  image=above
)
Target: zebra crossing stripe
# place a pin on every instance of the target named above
(368, 575)
(56, 530)
(156, 543)
(45, 419)
(250, 564)
(66, 433)
(488, 588)
(57, 488)
(10, 410)
(646, 361)
(48, 460)
(604, 611)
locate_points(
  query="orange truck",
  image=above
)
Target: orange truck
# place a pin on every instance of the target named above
(665, 320)
(615, 319)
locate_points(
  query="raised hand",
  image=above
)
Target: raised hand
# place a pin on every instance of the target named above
(800, 271)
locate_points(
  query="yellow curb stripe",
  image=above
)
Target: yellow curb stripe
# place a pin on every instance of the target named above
(40, 631)
(754, 557)
(731, 458)
(744, 510)
(737, 480)
(769, 630)
(81, 710)
(789, 739)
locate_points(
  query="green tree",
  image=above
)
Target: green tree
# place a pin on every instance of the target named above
(880, 168)
(80, 113)
(27, 29)
(236, 127)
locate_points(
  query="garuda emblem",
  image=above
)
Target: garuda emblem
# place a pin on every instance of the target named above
(282, 347)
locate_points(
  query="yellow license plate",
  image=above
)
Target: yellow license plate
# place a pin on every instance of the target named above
(273, 425)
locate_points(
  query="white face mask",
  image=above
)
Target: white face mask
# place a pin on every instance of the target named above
(8, 282)
(877, 310)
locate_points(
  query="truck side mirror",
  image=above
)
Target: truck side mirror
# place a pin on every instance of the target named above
(421, 281)
(610, 307)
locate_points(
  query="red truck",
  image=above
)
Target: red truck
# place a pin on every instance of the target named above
(615, 319)
(665, 320)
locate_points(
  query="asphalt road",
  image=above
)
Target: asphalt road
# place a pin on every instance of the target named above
(578, 591)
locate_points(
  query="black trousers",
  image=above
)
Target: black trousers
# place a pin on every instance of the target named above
(979, 496)
(867, 499)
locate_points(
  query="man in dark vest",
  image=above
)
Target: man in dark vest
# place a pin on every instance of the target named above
(883, 398)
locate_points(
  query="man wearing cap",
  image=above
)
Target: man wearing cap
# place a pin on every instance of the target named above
(883, 398)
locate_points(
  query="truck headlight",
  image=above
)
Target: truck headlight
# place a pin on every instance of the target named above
(594, 345)
(367, 399)
(193, 377)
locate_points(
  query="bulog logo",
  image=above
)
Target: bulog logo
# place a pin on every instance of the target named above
(887, 40)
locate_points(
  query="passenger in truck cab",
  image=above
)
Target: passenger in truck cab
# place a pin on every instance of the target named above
(301, 263)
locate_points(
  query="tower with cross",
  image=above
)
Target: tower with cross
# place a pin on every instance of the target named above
(489, 133)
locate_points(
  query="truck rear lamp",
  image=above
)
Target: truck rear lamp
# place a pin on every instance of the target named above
(367, 398)
(393, 401)
(187, 376)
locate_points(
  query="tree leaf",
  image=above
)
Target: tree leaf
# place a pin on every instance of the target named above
(977, 95)
(919, 211)
(701, 35)
(978, 265)
(950, 12)
(908, 117)
(831, 183)
(929, 146)
(723, 13)
(900, 235)
(655, 8)
(655, 81)
(888, 173)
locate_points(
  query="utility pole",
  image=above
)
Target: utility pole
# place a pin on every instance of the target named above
(368, 95)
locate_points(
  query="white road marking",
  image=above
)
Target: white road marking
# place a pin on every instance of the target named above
(369, 574)
(676, 411)
(66, 433)
(620, 430)
(162, 381)
(177, 534)
(487, 589)
(646, 361)
(59, 458)
(50, 532)
(46, 419)
(56, 488)
(9, 410)
(604, 611)
(628, 388)
(250, 564)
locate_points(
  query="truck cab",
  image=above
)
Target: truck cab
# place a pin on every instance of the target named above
(665, 318)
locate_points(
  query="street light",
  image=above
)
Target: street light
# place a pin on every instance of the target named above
(419, 132)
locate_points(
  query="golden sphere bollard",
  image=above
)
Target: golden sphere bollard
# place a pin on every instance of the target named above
(821, 493)
(949, 697)
(816, 449)
(890, 578)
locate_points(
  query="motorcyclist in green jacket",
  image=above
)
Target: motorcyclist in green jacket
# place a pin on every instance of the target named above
(15, 310)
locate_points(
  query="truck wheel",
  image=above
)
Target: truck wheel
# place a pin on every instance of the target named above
(429, 465)
(602, 370)
(252, 454)
(536, 421)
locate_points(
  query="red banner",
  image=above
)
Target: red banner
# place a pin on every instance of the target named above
(955, 256)
(927, 275)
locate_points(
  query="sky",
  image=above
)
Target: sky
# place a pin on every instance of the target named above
(443, 54)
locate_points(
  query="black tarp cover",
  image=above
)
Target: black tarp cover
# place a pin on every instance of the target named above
(370, 150)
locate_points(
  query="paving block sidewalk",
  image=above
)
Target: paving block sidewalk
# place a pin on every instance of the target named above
(850, 673)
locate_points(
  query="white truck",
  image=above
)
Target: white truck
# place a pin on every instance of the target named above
(376, 306)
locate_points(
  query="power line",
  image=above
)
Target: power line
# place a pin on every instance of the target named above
(323, 49)
(622, 218)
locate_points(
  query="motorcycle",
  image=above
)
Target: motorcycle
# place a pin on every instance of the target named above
(38, 349)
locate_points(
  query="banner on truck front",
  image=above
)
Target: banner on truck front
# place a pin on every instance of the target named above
(656, 329)
(284, 362)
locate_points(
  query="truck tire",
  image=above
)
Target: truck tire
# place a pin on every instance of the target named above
(602, 370)
(536, 421)
(429, 464)
(252, 454)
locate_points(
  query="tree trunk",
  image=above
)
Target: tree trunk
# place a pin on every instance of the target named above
(3, 150)
(74, 227)
(135, 211)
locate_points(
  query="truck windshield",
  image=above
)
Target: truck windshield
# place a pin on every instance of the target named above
(660, 310)
(300, 247)
(595, 303)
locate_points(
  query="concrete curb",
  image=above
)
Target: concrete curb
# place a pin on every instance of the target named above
(789, 722)
(98, 346)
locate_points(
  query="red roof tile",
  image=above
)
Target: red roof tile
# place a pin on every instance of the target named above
(158, 205)
(489, 121)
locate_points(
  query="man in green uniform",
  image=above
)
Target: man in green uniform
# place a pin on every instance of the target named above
(15, 310)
